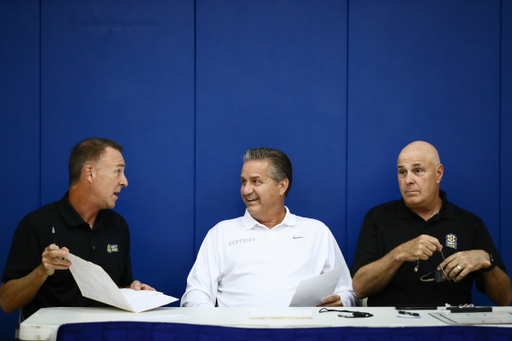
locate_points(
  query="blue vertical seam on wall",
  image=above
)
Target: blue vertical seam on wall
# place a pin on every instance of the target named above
(194, 245)
(500, 225)
(346, 133)
(40, 104)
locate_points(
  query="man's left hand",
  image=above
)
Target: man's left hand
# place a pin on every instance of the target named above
(459, 265)
(331, 301)
(136, 285)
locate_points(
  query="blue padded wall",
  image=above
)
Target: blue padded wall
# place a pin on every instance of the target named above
(424, 70)
(271, 74)
(19, 125)
(187, 86)
(506, 136)
(125, 70)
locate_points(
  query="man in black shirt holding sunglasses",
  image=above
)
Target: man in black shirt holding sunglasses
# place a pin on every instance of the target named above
(423, 250)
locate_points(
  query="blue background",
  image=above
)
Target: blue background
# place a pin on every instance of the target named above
(187, 86)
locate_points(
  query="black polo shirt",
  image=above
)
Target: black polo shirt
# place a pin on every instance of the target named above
(106, 244)
(391, 224)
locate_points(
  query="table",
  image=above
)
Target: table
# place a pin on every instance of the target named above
(216, 322)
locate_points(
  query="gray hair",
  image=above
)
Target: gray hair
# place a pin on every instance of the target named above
(280, 165)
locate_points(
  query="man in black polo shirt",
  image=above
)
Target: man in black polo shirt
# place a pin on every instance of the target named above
(423, 250)
(81, 223)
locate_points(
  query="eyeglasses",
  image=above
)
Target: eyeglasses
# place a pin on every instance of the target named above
(439, 275)
(348, 313)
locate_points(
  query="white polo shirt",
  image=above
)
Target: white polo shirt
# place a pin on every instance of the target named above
(243, 263)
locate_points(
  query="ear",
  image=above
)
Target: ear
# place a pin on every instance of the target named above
(283, 186)
(439, 172)
(89, 173)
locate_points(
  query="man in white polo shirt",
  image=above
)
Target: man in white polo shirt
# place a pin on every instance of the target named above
(259, 259)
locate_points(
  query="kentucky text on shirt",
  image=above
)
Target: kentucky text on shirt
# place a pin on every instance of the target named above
(244, 240)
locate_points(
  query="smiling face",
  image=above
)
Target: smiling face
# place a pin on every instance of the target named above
(419, 175)
(108, 178)
(263, 197)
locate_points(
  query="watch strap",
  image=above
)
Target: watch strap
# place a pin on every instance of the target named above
(493, 264)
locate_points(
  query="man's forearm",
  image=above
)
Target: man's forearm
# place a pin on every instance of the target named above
(18, 292)
(375, 276)
(196, 298)
(498, 287)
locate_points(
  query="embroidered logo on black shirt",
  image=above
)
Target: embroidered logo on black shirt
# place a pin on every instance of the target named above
(112, 248)
(451, 241)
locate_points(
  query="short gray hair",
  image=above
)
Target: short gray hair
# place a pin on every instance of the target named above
(280, 165)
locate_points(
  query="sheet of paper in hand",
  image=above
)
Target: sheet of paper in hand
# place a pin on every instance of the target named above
(310, 292)
(96, 284)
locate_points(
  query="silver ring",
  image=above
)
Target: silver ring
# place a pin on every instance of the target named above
(458, 267)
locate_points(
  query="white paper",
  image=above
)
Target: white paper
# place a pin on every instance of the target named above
(474, 318)
(142, 300)
(96, 284)
(310, 292)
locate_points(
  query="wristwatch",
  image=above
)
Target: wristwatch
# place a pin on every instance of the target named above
(492, 264)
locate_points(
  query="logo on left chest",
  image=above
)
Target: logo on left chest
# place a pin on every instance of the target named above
(112, 248)
(451, 241)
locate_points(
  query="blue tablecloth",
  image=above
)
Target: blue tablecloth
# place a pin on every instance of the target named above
(156, 331)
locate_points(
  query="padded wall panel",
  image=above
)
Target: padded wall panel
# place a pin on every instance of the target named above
(506, 134)
(424, 70)
(19, 124)
(125, 70)
(271, 74)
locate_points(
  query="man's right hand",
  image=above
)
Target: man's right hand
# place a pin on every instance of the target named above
(373, 277)
(53, 259)
(421, 247)
(18, 292)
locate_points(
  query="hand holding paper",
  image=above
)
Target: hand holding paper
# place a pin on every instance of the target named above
(310, 292)
(96, 284)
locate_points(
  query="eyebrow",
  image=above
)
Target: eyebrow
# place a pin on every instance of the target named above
(251, 177)
(121, 165)
(418, 164)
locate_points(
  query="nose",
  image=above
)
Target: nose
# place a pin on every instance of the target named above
(409, 178)
(124, 181)
(247, 189)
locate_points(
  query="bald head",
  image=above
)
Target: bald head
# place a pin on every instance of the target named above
(422, 150)
(419, 175)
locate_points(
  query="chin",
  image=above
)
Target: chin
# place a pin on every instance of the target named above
(413, 203)
(252, 210)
